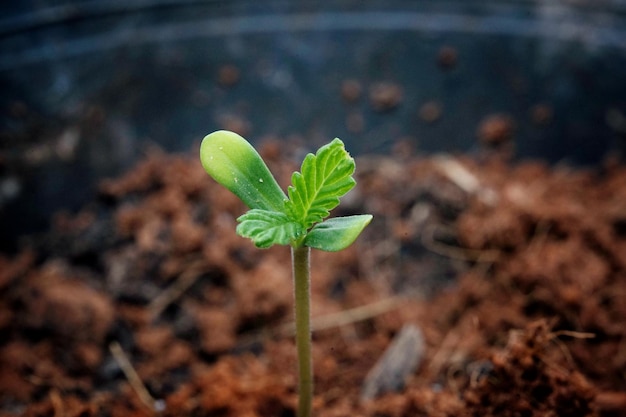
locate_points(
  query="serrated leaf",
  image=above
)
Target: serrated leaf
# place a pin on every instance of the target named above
(267, 228)
(337, 233)
(234, 163)
(324, 177)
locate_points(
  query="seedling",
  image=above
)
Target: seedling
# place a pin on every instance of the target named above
(297, 220)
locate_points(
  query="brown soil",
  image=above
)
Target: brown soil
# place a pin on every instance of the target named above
(147, 303)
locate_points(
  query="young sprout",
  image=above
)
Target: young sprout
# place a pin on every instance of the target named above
(297, 220)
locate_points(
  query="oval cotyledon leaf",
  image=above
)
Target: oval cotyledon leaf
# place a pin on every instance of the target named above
(337, 233)
(234, 163)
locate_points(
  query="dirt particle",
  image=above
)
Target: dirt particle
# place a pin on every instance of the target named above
(235, 123)
(385, 96)
(495, 129)
(447, 57)
(228, 75)
(541, 114)
(355, 122)
(351, 91)
(430, 111)
(404, 148)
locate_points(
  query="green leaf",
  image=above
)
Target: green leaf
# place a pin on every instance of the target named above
(337, 233)
(267, 228)
(325, 177)
(234, 163)
(274, 219)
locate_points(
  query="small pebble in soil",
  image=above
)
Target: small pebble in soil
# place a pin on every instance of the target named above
(400, 359)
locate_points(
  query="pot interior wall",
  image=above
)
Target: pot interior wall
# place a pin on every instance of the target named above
(88, 85)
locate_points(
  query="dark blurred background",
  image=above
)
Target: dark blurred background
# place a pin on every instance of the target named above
(88, 85)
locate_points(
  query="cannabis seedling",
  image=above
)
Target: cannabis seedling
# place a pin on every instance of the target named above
(296, 220)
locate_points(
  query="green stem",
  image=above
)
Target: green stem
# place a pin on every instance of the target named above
(301, 276)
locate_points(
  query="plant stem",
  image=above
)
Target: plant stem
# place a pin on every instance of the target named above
(301, 276)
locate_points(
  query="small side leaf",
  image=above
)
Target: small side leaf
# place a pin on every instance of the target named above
(267, 228)
(337, 233)
(234, 163)
(324, 178)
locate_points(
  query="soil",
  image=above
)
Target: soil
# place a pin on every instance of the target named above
(511, 276)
